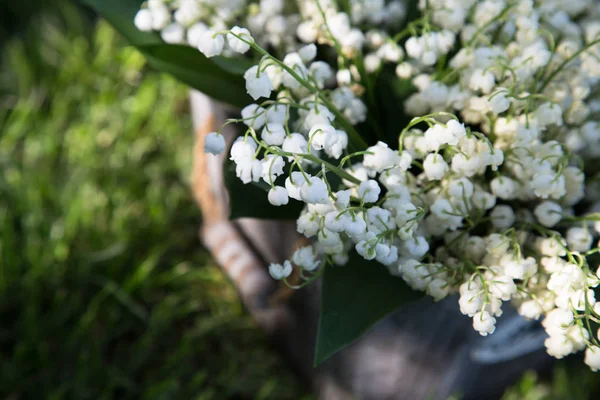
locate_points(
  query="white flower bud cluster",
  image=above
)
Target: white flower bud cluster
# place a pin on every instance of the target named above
(428, 48)
(533, 104)
(271, 23)
(485, 193)
(195, 22)
(283, 27)
(322, 22)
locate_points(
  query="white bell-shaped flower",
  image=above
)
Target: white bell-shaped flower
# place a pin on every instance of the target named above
(278, 196)
(258, 83)
(214, 143)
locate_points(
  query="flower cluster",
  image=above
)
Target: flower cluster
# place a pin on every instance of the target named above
(273, 23)
(490, 191)
(197, 22)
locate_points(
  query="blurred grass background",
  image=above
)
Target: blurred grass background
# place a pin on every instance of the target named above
(105, 292)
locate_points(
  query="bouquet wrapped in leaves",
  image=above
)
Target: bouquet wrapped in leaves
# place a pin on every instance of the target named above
(432, 147)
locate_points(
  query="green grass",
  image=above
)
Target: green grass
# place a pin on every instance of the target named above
(570, 380)
(105, 291)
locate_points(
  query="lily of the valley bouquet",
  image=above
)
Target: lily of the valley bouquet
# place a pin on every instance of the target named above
(452, 146)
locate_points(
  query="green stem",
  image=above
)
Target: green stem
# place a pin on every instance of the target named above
(564, 63)
(416, 121)
(307, 282)
(335, 169)
(489, 23)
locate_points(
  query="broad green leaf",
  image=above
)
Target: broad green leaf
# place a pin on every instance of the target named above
(354, 297)
(235, 66)
(120, 14)
(391, 93)
(191, 67)
(218, 77)
(251, 200)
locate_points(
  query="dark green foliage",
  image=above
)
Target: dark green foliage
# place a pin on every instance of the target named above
(251, 200)
(570, 380)
(218, 77)
(189, 66)
(354, 297)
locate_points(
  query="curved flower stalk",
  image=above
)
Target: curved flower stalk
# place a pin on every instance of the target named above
(491, 191)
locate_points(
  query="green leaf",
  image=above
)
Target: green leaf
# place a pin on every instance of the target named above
(354, 297)
(191, 67)
(236, 66)
(251, 200)
(218, 77)
(391, 94)
(120, 14)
